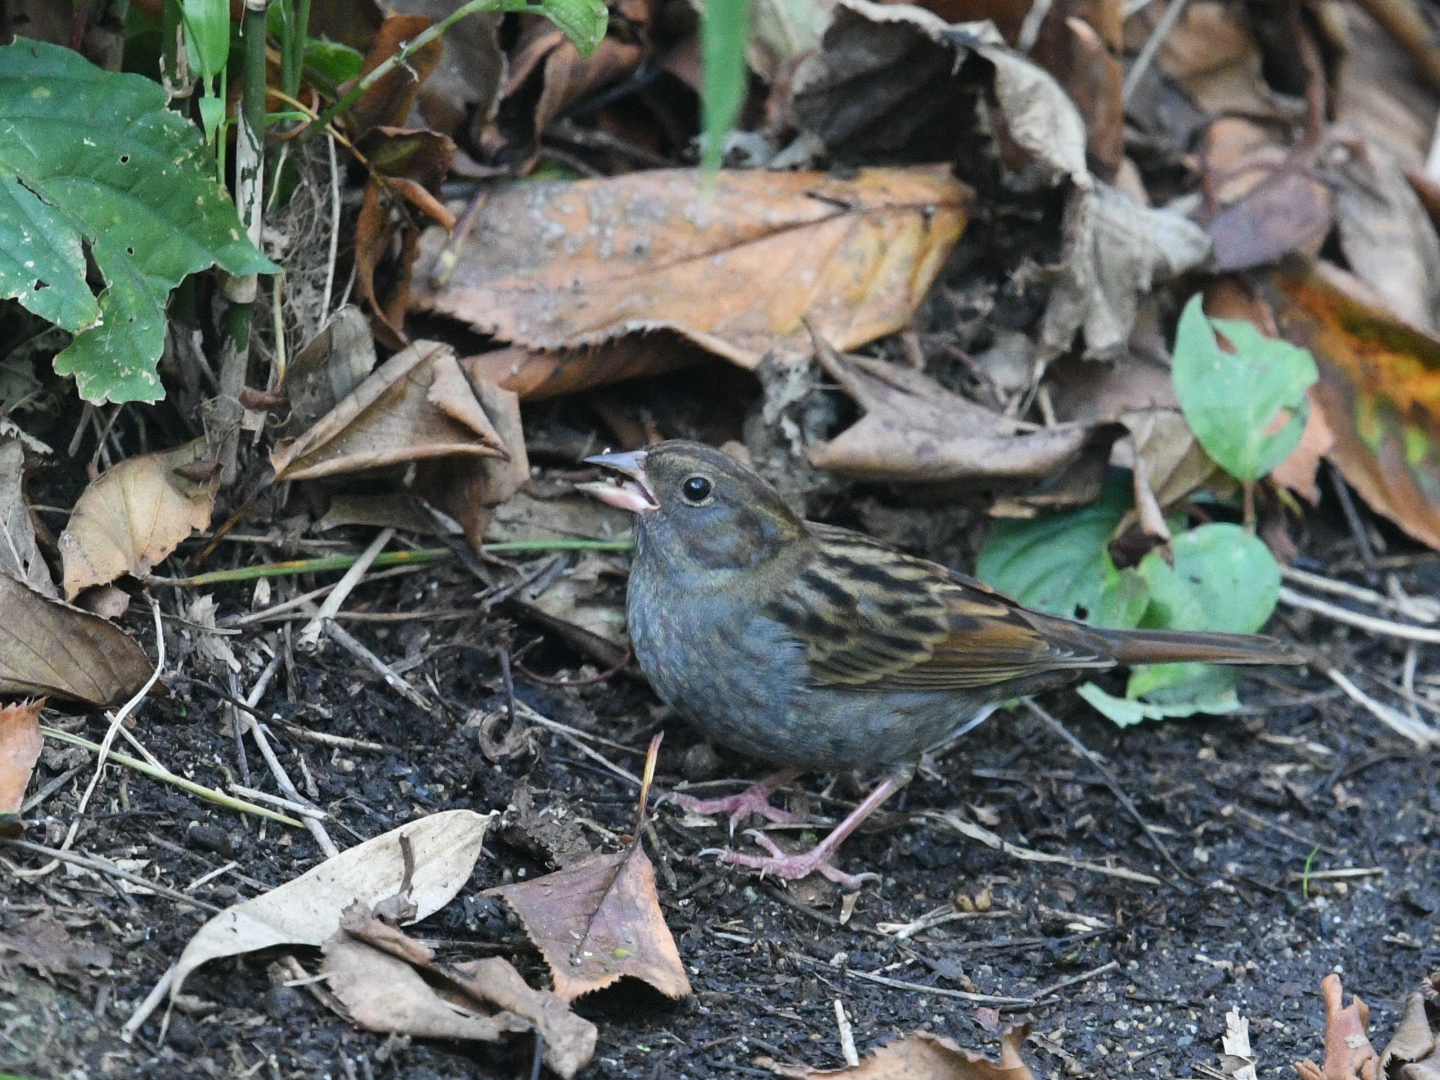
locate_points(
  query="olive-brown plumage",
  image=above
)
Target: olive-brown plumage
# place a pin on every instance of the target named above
(817, 647)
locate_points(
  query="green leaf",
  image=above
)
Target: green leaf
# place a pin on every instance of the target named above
(207, 35)
(1059, 562)
(1233, 400)
(724, 32)
(584, 21)
(336, 62)
(94, 156)
(1126, 711)
(1223, 579)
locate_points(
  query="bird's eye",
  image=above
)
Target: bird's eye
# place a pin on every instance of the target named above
(696, 489)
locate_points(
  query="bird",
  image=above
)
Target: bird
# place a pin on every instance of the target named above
(815, 647)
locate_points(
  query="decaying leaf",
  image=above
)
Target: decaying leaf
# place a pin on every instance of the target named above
(307, 910)
(1413, 1052)
(43, 943)
(417, 405)
(889, 73)
(328, 368)
(536, 374)
(1237, 1059)
(1379, 385)
(914, 430)
(372, 968)
(48, 647)
(599, 919)
(136, 514)
(566, 264)
(19, 555)
(1211, 53)
(1348, 1053)
(922, 1056)
(20, 746)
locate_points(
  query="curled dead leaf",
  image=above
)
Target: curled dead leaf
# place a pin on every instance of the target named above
(568, 264)
(20, 746)
(599, 919)
(922, 1056)
(19, 554)
(136, 514)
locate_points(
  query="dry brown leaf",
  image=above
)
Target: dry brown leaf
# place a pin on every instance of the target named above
(1348, 1053)
(922, 1056)
(1212, 54)
(914, 430)
(1413, 1052)
(45, 944)
(1301, 470)
(567, 264)
(569, 1040)
(417, 405)
(50, 647)
(443, 848)
(470, 70)
(1079, 43)
(331, 365)
(538, 374)
(599, 919)
(136, 514)
(388, 101)
(19, 555)
(1382, 93)
(1379, 389)
(20, 746)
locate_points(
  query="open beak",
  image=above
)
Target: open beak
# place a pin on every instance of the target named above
(632, 494)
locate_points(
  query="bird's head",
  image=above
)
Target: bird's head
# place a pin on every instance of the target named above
(696, 508)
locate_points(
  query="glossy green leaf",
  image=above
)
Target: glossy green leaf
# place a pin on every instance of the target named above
(724, 31)
(337, 63)
(207, 35)
(92, 156)
(1059, 562)
(1247, 406)
(584, 21)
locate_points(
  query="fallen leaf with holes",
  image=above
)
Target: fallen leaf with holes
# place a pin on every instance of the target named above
(914, 430)
(372, 968)
(136, 514)
(443, 848)
(48, 647)
(19, 554)
(1348, 1053)
(44, 944)
(20, 746)
(599, 919)
(417, 405)
(1379, 389)
(922, 1056)
(565, 264)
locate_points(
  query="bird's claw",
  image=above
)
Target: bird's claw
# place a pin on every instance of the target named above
(753, 800)
(794, 867)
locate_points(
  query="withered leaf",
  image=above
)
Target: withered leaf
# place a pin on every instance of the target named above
(922, 1056)
(598, 919)
(20, 746)
(1413, 1052)
(536, 374)
(914, 430)
(136, 514)
(47, 945)
(1348, 1053)
(417, 405)
(566, 264)
(19, 554)
(50, 647)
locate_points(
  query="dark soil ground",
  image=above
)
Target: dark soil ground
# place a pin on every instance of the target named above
(1144, 974)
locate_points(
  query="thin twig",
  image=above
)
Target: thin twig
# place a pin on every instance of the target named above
(1110, 781)
(309, 636)
(940, 991)
(1084, 976)
(1321, 583)
(1372, 623)
(98, 865)
(991, 840)
(1151, 47)
(148, 1006)
(1422, 735)
(334, 230)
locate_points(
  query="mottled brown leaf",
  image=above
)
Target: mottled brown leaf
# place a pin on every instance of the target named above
(20, 746)
(19, 555)
(922, 1056)
(45, 944)
(598, 919)
(136, 514)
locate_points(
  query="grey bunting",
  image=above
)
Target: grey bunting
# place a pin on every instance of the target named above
(814, 647)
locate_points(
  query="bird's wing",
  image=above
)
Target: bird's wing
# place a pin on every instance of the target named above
(872, 618)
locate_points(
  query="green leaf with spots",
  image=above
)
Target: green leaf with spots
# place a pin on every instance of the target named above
(1247, 405)
(91, 157)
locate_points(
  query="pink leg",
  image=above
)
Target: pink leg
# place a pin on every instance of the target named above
(818, 858)
(753, 800)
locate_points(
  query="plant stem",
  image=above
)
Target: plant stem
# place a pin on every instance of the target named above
(409, 49)
(166, 776)
(416, 557)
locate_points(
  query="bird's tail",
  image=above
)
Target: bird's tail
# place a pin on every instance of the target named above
(1194, 646)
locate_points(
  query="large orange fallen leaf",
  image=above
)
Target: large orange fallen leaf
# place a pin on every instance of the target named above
(1379, 389)
(567, 264)
(922, 1056)
(20, 745)
(136, 514)
(598, 919)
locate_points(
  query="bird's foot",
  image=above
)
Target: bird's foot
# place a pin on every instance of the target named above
(753, 800)
(792, 867)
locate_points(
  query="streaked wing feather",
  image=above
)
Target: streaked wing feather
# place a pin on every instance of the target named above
(872, 618)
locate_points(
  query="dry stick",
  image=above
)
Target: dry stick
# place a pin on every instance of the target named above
(993, 841)
(274, 611)
(573, 737)
(1110, 782)
(334, 231)
(348, 642)
(1152, 46)
(939, 991)
(1421, 734)
(165, 776)
(1084, 976)
(50, 789)
(847, 1036)
(103, 866)
(1372, 623)
(309, 637)
(149, 1005)
(1356, 592)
